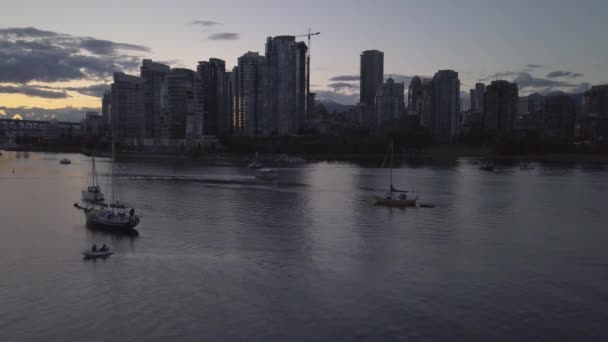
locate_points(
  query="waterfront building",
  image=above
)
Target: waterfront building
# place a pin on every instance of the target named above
(446, 106)
(127, 110)
(390, 101)
(371, 77)
(153, 75)
(251, 116)
(213, 78)
(420, 100)
(184, 104)
(501, 105)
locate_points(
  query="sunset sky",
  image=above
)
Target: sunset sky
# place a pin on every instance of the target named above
(61, 55)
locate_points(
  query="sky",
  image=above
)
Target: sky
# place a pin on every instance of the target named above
(56, 60)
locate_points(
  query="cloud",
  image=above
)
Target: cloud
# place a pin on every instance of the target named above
(224, 36)
(33, 91)
(345, 78)
(534, 66)
(525, 80)
(560, 73)
(29, 54)
(347, 99)
(343, 86)
(95, 90)
(205, 23)
(503, 74)
(399, 78)
(69, 114)
(106, 47)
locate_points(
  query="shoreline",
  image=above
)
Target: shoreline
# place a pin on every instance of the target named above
(430, 153)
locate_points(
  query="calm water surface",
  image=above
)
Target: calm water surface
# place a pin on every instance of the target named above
(509, 255)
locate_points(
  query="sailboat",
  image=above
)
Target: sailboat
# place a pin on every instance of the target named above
(394, 197)
(93, 193)
(116, 216)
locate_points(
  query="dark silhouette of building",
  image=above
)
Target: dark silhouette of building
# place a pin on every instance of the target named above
(480, 90)
(446, 106)
(420, 100)
(371, 77)
(216, 116)
(501, 103)
(286, 87)
(106, 102)
(153, 75)
(593, 123)
(185, 104)
(558, 117)
(251, 116)
(390, 101)
(127, 110)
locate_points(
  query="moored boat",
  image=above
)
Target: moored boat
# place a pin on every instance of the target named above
(394, 197)
(65, 161)
(93, 192)
(267, 174)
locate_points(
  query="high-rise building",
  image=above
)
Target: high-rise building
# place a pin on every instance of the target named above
(559, 116)
(286, 73)
(226, 120)
(594, 121)
(420, 100)
(153, 75)
(301, 95)
(472, 99)
(480, 90)
(501, 103)
(251, 116)
(371, 77)
(446, 106)
(106, 102)
(184, 104)
(216, 117)
(127, 109)
(390, 101)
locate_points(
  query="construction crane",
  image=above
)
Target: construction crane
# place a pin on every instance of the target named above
(309, 34)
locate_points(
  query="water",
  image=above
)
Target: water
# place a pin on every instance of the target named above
(509, 255)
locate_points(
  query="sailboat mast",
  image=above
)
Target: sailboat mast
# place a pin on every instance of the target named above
(391, 185)
(94, 173)
(113, 157)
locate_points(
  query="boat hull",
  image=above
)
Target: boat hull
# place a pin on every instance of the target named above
(93, 255)
(391, 202)
(105, 220)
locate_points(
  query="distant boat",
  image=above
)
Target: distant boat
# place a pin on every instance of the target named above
(65, 161)
(526, 167)
(394, 197)
(95, 255)
(255, 164)
(267, 174)
(93, 193)
(487, 167)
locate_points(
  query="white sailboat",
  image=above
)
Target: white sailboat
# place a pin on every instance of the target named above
(394, 197)
(93, 193)
(116, 216)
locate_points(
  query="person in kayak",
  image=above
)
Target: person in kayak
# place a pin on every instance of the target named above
(104, 248)
(94, 249)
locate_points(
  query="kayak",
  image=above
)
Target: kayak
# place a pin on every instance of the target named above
(89, 254)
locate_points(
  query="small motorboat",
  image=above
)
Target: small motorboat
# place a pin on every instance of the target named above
(267, 174)
(487, 167)
(526, 167)
(65, 161)
(397, 199)
(255, 165)
(98, 254)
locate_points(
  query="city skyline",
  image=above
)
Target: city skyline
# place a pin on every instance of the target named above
(537, 52)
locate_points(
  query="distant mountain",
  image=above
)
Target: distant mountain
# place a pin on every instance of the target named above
(332, 106)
